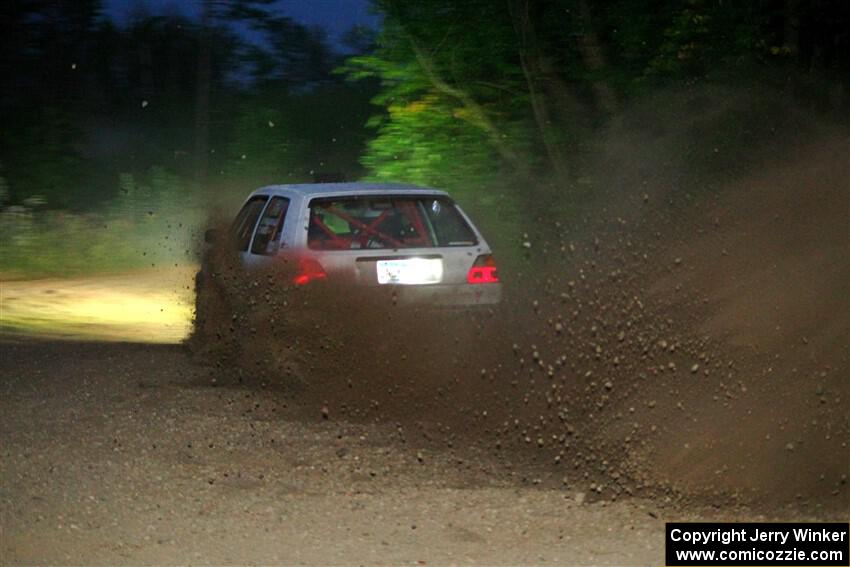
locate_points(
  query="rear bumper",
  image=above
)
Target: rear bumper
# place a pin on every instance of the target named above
(464, 295)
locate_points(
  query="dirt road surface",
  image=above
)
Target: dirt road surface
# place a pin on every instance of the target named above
(151, 306)
(126, 453)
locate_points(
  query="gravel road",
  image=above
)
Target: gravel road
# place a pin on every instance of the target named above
(128, 453)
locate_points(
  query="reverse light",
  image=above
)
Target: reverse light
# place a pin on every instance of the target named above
(483, 270)
(309, 270)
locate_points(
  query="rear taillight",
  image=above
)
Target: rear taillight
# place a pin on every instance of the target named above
(483, 270)
(309, 270)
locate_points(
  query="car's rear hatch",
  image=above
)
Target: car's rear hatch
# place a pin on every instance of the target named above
(421, 246)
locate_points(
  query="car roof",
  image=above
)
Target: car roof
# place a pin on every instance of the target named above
(345, 189)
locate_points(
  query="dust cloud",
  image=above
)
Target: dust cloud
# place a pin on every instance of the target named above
(684, 336)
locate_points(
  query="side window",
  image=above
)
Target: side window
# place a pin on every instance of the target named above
(267, 237)
(243, 225)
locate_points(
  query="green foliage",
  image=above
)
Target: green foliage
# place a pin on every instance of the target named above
(664, 41)
(425, 142)
(457, 96)
(38, 148)
(154, 220)
(261, 147)
(276, 136)
(452, 105)
(699, 34)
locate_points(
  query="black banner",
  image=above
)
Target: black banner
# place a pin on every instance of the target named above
(763, 544)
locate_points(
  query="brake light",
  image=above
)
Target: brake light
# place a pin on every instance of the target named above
(309, 270)
(483, 270)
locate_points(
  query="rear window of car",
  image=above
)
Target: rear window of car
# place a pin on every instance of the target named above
(376, 222)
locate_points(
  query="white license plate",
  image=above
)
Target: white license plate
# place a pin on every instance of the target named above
(410, 271)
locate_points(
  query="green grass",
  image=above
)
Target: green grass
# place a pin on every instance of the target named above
(148, 225)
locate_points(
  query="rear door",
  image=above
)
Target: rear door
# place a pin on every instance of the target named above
(242, 228)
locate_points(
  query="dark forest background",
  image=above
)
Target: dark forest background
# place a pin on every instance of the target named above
(118, 141)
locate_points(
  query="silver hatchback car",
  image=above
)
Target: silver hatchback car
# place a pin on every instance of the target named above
(413, 239)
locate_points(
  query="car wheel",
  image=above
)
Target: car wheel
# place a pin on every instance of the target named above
(212, 311)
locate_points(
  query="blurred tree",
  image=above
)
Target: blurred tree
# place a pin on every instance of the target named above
(448, 90)
(467, 100)
(467, 91)
(45, 47)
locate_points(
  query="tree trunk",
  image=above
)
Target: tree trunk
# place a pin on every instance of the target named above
(790, 29)
(594, 59)
(532, 65)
